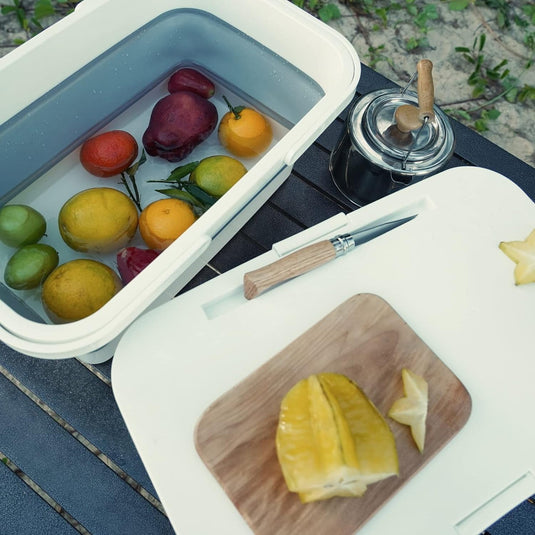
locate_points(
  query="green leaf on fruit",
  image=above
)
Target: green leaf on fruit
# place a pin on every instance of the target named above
(182, 195)
(132, 170)
(236, 110)
(182, 171)
(200, 194)
(178, 174)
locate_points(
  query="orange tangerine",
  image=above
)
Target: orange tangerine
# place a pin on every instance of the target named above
(109, 154)
(163, 221)
(245, 132)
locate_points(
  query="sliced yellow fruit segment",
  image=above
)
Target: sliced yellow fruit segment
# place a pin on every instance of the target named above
(343, 489)
(523, 254)
(412, 409)
(331, 439)
(372, 439)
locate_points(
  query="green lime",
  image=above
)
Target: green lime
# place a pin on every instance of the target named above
(30, 266)
(21, 225)
(217, 174)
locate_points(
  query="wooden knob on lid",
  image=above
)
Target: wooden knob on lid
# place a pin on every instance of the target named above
(407, 118)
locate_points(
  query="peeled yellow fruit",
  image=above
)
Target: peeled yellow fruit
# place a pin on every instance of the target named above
(412, 409)
(523, 254)
(331, 440)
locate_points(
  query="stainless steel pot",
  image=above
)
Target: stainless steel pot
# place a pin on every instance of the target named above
(390, 137)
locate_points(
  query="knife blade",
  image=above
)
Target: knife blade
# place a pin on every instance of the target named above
(312, 256)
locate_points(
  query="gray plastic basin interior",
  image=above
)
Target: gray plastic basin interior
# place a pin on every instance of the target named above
(51, 127)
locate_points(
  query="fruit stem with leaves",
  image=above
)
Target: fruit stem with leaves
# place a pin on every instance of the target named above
(130, 182)
(185, 190)
(236, 110)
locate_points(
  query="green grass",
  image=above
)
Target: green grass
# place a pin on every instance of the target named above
(489, 78)
(32, 19)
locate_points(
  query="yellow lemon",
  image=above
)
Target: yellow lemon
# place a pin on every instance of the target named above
(78, 288)
(98, 220)
(217, 174)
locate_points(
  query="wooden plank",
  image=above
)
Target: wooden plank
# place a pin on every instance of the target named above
(84, 401)
(308, 206)
(75, 478)
(238, 250)
(271, 225)
(314, 166)
(24, 511)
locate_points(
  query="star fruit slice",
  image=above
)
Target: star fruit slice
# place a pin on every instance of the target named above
(411, 410)
(331, 440)
(523, 254)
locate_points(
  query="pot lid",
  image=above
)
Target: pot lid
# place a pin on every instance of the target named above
(374, 133)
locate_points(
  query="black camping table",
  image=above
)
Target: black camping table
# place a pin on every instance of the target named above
(68, 463)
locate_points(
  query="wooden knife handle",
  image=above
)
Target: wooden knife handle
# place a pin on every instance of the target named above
(288, 267)
(426, 89)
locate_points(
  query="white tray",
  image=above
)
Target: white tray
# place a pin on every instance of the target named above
(443, 273)
(272, 54)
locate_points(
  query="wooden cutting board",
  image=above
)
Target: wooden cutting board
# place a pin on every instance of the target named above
(365, 339)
